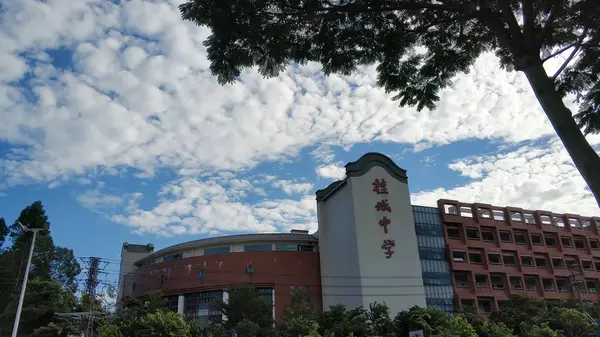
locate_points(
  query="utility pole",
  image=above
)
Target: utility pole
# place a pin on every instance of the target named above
(25, 277)
(92, 270)
(576, 284)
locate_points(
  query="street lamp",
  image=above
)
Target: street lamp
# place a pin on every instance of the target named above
(20, 306)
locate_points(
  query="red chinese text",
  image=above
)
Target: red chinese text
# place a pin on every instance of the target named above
(380, 186)
(387, 246)
(383, 205)
(385, 222)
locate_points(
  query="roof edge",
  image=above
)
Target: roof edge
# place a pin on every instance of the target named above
(371, 159)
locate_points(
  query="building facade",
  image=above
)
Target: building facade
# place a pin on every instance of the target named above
(495, 252)
(373, 245)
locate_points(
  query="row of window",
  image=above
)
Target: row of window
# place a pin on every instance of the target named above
(247, 248)
(515, 216)
(538, 260)
(529, 283)
(521, 237)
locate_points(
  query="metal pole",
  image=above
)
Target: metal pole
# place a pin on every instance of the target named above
(22, 297)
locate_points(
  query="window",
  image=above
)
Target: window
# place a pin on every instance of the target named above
(536, 239)
(450, 209)
(485, 304)
(527, 261)
(459, 256)
(559, 221)
(427, 253)
(199, 306)
(558, 263)
(453, 232)
(498, 215)
(574, 222)
(481, 281)
(472, 233)
(562, 284)
(494, 258)
(597, 265)
(306, 248)
(579, 242)
(436, 279)
(465, 211)
(570, 263)
(173, 257)
(509, 259)
(487, 234)
(529, 218)
(541, 262)
(591, 286)
(428, 229)
(531, 283)
(258, 248)
(286, 247)
(594, 244)
(468, 305)
(475, 258)
(586, 265)
(546, 220)
(497, 281)
(566, 241)
(586, 223)
(548, 284)
(216, 250)
(505, 236)
(549, 238)
(267, 294)
(172, 303)
(293, 248)
(461, 279)
(516, 216)
(520, 237)
(516, 282)
(484, 213)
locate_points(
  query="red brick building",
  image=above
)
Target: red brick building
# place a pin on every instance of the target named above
(494, 252)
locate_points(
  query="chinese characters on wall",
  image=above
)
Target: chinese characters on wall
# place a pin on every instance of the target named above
(380, 187)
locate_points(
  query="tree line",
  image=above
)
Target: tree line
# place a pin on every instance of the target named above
(249, 315)
(53, 288)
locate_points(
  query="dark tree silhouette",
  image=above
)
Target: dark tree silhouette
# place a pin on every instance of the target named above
(344, 34)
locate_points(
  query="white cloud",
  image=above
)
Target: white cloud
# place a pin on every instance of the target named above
(142, 97)
(331, 171)
(208, 206)
(533, 177)
(292, 187)
(97, 200)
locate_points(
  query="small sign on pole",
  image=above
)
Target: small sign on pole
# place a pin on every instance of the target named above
(417, 333)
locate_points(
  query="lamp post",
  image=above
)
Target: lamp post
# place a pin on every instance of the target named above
(22, 297)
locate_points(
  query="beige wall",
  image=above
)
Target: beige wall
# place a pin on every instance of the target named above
(397, 280)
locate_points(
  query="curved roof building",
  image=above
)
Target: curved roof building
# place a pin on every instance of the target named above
(373, 245)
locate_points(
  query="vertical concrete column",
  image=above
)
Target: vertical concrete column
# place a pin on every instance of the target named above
(225, 300)
(273, 293)
(181, 304)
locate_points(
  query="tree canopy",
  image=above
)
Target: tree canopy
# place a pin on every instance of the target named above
(420, 46)
(52, 281)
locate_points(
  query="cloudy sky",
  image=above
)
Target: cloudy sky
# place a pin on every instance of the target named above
(110, 116)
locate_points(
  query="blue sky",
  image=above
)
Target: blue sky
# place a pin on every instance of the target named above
(111, 118)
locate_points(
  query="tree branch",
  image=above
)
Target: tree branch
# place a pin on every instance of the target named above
(577, 47)
(560, 51)
(511, 21)
(384, 6)
(528, 23)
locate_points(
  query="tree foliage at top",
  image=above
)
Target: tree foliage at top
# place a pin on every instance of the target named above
(52, 279)
(419, 46)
